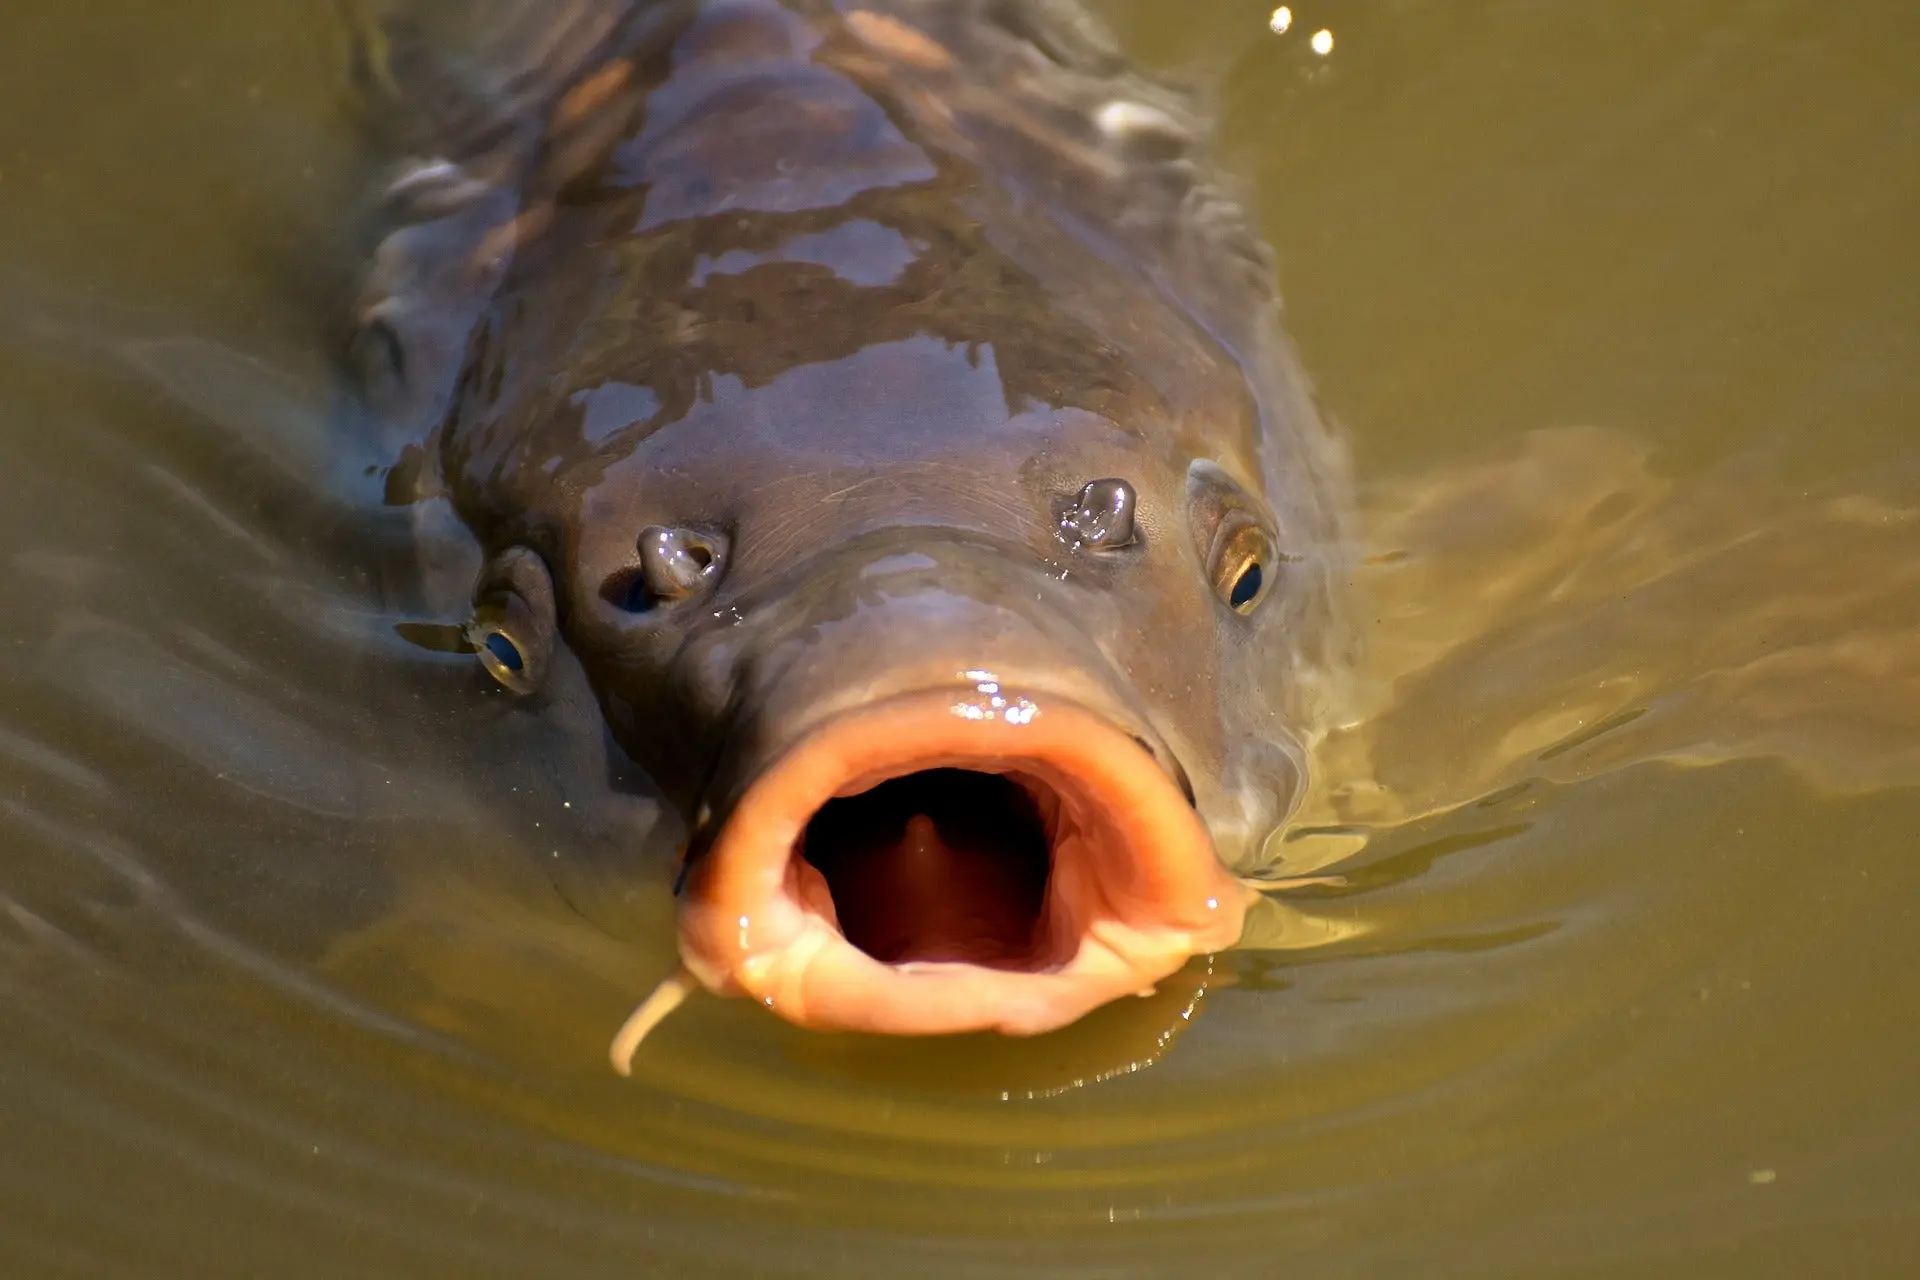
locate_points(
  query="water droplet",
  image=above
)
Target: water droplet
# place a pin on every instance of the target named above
(1282, 19)
(1323, 42)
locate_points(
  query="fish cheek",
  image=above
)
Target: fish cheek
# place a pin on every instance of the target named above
(637, 609)
(1257, 772)
(1270, 708)
(1260, 784)
(424, 292)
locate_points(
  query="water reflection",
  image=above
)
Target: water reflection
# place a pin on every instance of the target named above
(1566, 612)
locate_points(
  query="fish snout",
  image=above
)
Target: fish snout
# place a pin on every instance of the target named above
(939, 810)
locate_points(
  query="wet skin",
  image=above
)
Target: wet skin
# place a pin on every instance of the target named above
(791, 366)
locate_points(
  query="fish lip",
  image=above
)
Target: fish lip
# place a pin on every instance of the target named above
(1134, 890)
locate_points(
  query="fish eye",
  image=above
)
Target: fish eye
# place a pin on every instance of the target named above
(504, 651)
(1243, 566)
(513, 625)
(379, 360)
(1246, 588)
(503, 657)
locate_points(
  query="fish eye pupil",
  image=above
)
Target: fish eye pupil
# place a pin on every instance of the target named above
(1247, 586)
(505, 651)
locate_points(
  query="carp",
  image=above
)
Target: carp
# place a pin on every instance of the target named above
(886, 405)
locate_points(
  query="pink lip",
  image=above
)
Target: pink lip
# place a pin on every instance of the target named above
(1132, 890)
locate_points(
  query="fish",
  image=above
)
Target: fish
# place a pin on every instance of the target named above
(886, 407)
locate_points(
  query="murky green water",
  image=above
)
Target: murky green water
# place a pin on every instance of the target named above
(1617, 972)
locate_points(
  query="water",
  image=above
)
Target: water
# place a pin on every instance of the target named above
(1615, 973)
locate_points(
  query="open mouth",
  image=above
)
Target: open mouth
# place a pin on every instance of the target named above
(942, 864)
(933, 865)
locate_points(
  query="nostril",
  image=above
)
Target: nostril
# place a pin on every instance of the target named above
(675, 564)
(1099, 517)
(627, 592)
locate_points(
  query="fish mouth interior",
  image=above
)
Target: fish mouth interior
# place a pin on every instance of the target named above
(943, 864)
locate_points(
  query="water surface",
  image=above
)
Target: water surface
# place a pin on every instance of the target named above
(308, 959)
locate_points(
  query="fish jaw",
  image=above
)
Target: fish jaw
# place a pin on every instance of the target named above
(1132, 888)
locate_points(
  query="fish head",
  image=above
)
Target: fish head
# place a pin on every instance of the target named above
(920, 537)
(958, 688)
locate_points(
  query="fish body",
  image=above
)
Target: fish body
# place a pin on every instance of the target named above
(886, 406)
